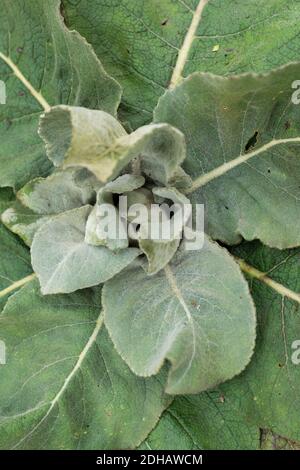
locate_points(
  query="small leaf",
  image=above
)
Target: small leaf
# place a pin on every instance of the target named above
(42, 198)
(161, 148)
(64, 262)
(60, 192)
(64, 386)
(197, 313)
(95, 234)
(160, 252)
(125, 183)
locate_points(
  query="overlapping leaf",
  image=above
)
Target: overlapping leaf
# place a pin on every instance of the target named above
(151, 34)
(64, 262)
(77, 136)
(197, 313)
(243, 139)
(95, 232)
(64, 386)
(42, 198)
(59, 64)
(206, 421)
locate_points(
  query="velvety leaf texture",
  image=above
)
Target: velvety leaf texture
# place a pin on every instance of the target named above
(64, 262)
(151, 33)
(183, 316)
(243, 139)
(14, 262)
(42, 198)
(206, 421)
(96, 140)
(64, 386)
(141, 340)
(58, 63)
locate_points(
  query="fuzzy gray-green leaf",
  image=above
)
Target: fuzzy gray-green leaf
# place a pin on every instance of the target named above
(64, 262)
(197, 313)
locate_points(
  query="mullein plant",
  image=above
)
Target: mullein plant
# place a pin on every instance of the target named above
(106, 332)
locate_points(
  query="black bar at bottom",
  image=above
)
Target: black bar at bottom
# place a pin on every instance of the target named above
(129, 459)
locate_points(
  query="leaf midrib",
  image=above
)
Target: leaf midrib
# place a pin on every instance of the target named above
(81, 357)
(231, 164)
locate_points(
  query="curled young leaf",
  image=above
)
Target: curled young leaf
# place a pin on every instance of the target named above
(96, 140)
(160, 251)
(83, 137)
(96, 224)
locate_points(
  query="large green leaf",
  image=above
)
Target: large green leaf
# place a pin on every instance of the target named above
(152, 44)
(243, 137)
(266, 394)
(64, 262)
(14, 257)
(205, 421)
(64, 386)
(197, 314)
(14, 262)
(59, 64)
(268, 389)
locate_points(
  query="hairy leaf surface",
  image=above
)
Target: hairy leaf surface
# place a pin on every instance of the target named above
(60, 65)
(42, 198)
(64, 262)
(206, 421)
(197, 313)
(151, 46)
(64, 386)
(243, 139)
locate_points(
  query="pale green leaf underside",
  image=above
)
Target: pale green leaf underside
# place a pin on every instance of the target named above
(57, 62)
(70, 390)
(64, 262)
(248, 191)
(197, 313)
